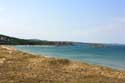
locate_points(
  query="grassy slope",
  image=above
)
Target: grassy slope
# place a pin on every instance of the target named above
(19, 67)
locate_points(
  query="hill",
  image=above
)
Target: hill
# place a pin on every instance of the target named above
(6, 40)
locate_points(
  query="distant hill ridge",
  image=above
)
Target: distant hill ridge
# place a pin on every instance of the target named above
(7, 40)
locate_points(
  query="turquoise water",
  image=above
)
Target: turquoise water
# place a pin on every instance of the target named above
(111, 55)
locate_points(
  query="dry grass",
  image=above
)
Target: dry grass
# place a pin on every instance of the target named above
(19, 67)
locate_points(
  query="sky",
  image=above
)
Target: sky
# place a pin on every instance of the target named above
(101, 21)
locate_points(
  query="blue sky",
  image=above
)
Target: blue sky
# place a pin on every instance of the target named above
(68, 20)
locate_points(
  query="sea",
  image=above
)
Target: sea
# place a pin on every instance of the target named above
(110, 55)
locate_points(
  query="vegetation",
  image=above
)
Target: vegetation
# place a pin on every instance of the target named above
(6, 40)
(20, 67)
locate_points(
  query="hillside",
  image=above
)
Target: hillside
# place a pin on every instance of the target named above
(20, 67)
(6, 40)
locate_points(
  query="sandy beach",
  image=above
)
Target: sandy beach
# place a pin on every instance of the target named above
(20, 67)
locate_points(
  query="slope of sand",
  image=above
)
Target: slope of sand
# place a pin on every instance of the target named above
(20, 67)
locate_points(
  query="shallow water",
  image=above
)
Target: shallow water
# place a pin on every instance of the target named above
(110, 55)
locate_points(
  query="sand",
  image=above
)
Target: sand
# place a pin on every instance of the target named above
(21, 67)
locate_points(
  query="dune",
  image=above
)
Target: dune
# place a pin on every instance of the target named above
(21, 67)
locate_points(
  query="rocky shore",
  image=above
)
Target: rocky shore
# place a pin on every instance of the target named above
(20, 67)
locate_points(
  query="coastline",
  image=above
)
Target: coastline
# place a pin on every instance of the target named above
(19, 66)
(80, 54)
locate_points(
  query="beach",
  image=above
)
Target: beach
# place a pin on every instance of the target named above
(22, 67)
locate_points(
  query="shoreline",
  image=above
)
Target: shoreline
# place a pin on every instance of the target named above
(108, 65)
(29, 66)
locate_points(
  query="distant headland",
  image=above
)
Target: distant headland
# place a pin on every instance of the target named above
(7, 40)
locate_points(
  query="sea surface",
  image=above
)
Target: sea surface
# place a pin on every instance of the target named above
(112, 56)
